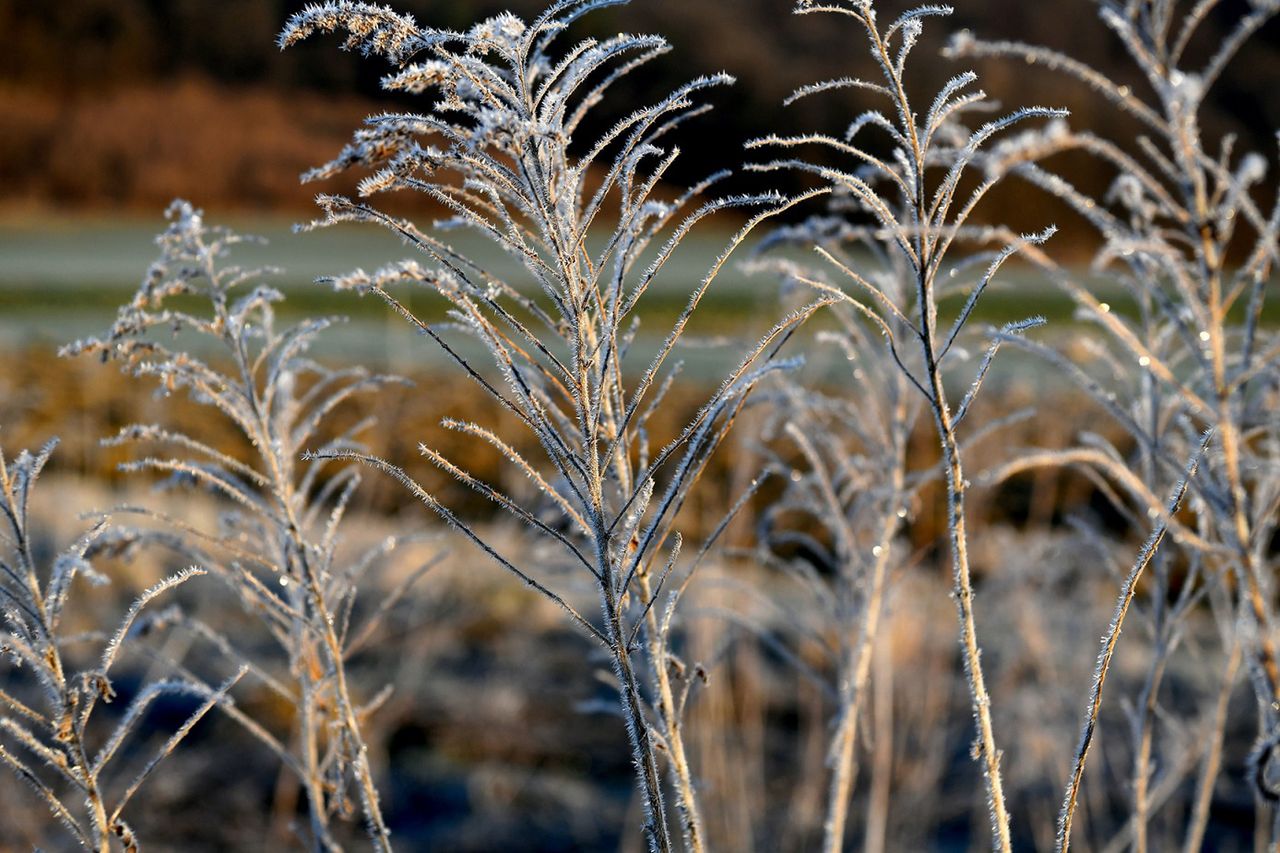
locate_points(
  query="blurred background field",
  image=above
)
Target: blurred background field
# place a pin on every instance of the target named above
(108, 110)
(497, 738)
(63, 276)
(113, 104)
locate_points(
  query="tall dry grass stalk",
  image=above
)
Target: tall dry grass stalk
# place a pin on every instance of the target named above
(591, 226)
(1184, 238)
(920, 213)
(48, 735)
(279, 542)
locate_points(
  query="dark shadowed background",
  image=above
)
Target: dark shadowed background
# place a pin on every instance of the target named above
(110, 104)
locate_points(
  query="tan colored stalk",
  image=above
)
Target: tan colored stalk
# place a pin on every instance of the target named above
(1142, 759)
(956, 488)
(956, 484)
(1109, 641)
(1199, 819)
(882, 760)
(856, 668)
(324, 620)
(673, 734)
(922, 236)
(283, 488)
(1247, 569)
(73, 744)
(657, 835)
(307, 732)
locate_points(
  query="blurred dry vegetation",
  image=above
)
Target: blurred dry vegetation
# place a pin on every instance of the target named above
(489, 745)
(82, 401)
(191, 97)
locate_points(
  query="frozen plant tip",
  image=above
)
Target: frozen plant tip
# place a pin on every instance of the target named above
(1183, 235)
(48, 737)
(591, 226)
(280, 549)
(918, 215)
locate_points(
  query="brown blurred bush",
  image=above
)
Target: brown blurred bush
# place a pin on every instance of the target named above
(137, 145)
(129, 103)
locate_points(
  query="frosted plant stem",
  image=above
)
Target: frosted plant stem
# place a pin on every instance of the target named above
(74, 746)
(54, 730)
(1109, 642)
(1226, 423)
(283, 488)
(968, 627)
(943, 418)
(920, 232)
(311, 761)
(278, 400)
(1174, 236)
(1247, 568)
(682, 776)
(1199, 819)
(94, 798)
(369, 799)
(1142, 759)
(92, 793)
(656, 833)
(882, 763)
(324, 622)
(504, 115)
(857, 666)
